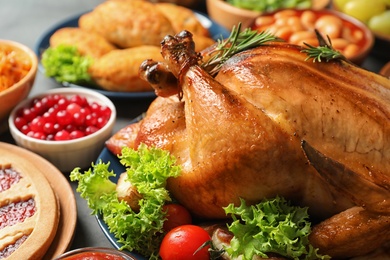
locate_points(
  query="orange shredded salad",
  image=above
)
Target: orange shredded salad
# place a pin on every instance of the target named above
(14, 65)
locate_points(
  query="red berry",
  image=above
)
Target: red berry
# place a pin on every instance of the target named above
(25, 129)
(81, 101)
(37, 124)
(73, 108)
(101, 121)
(48, 128)
(62, 135)
(105, 111)
(90, 130)
(76, 134)
(57, 117)
(62, 103)
(39, 135)
(90, 120)
(78, 119)
(39, 107)
(29, 114)
(49, 117)
(63, 117)
(20, 122)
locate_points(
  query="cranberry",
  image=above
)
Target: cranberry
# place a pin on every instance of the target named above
(76, 134)
(48, 128)
(91, 120)
(62, 103)
(91, 129)
(39, 135)
(58, 117)
(63, 117)
(25, 129)
(49, 117)
(40, 107)
(78, 119)
(62, 135)
(37, 124)
(20, 122)
(29, 114)
(81, 101)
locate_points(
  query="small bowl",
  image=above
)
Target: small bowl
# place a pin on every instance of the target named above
(12, 95)
(382, 41)
(104, 253)
(228, 15)
(68, 154)
(352, 38)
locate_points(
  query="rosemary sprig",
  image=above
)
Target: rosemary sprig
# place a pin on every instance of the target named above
(235, 43)
(325, 50)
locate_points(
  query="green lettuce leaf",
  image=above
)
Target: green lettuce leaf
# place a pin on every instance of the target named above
(66, 64)
(147, 168)
(272, 226)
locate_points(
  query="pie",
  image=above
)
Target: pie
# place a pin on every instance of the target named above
(29, 208)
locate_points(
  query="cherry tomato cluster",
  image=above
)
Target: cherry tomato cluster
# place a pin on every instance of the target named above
(183, 241)
(58, 117)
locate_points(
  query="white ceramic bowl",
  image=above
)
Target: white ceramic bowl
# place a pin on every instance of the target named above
(69, 154)
(11, 96)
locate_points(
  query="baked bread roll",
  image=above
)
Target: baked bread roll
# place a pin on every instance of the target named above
(182, 18)
(118, 69)
(29, 209)
(128, 23)
(87, 43)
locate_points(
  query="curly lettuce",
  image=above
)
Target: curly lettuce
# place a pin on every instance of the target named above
(272, 226)
(147, 168)
(65, 64)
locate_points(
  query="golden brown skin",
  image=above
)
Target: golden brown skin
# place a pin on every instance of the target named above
(118, 69)
(340, 109)
(167, 112)
(241, 133)
(87, 43)
(354, 231)
(127, 23)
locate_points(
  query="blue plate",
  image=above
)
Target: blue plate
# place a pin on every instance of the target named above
(216, 32)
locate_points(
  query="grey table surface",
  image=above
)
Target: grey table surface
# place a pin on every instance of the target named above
(26, 21)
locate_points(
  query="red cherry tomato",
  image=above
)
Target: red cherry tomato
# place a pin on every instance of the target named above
(177, 215)
(184, 243)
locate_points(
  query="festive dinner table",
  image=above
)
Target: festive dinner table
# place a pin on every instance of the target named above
(25, 21)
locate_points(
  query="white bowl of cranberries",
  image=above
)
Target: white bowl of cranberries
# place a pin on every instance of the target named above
(67, 126)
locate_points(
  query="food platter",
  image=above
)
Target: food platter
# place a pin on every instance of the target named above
(106, 156)
(64, 192)
(216, 31)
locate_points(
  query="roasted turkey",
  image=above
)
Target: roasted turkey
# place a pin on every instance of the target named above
(273, 123)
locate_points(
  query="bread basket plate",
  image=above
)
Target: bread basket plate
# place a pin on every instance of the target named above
(216, 32)
(64, 192)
